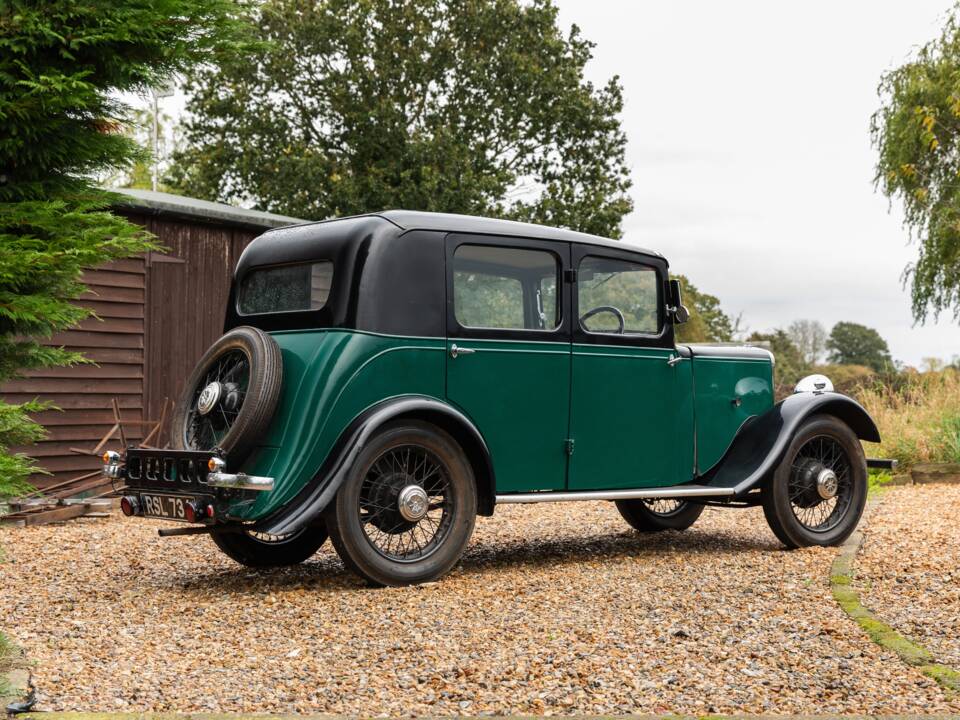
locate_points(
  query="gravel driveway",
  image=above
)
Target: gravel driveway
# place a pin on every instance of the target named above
(555, 609)
(908, 569)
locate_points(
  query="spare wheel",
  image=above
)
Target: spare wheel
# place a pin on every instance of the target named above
(231, 395)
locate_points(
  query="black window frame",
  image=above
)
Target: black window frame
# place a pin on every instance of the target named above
(299, 311)
(561, 251)
(663, 339)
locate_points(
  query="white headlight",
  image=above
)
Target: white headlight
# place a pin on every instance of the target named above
(814, 384)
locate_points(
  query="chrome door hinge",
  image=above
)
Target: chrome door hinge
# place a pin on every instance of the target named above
(568, 446)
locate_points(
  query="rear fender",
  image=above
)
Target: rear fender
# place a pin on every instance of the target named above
(761, 442)
(307, 505)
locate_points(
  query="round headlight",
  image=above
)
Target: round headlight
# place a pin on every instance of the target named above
(814, 384)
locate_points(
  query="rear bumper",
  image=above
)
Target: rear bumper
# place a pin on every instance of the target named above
(190, 474)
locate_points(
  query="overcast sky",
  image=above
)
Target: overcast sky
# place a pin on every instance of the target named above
(748, 129)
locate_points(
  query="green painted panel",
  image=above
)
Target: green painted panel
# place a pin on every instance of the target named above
(631, 418)
(719, 382)
(330, 377)
(517, 394)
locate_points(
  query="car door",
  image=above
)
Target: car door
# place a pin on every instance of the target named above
(508, 353)
(631, 411)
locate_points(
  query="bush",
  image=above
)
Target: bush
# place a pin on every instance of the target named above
(918, 415)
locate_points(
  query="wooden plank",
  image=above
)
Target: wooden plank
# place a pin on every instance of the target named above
(48, 386)
(68, 512)
(90, 485)
(115, 309)
(78, 401)
(47, 449)
(107, 293)
(80, 434)
(100, 370)
(63, 483)
(67, 418)
(75, 464)
(82, 338)
(125, 356)
(112, 278)
(112, 325)
(134, 265)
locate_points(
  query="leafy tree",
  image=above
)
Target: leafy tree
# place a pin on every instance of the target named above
(810, 338)
(917, 134)
(62, 63)
(708, 322)
(470, 106)
(853, 344)
(790, 364)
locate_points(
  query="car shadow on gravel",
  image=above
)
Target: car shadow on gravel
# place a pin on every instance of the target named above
(572, 550)
(326, 572)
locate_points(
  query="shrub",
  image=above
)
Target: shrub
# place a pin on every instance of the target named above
(918, 416)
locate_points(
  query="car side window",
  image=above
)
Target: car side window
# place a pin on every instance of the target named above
(617, 296)
(505, 288)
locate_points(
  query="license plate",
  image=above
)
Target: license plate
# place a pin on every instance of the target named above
(172, 507)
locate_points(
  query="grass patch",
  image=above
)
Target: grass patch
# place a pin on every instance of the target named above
(7, 654)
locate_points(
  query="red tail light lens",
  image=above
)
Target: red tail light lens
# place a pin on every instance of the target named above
(129, 505)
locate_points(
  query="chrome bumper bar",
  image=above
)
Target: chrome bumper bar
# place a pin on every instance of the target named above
(239, 481)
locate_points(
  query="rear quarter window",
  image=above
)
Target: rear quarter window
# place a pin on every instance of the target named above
(285, 288)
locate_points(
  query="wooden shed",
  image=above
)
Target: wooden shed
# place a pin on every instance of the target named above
(156, 315)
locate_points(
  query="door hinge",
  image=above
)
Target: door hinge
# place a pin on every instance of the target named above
(570, 276)
(568, 446)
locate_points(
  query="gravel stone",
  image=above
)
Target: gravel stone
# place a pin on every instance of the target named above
(908, 569)
(555, 609)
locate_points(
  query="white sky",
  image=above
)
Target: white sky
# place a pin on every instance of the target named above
(748, 130)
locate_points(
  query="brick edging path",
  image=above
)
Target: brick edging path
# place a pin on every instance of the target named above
(841, 584)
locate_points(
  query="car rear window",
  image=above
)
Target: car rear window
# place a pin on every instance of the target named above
(285, 288)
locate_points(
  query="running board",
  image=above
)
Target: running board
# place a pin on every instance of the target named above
(680, 491)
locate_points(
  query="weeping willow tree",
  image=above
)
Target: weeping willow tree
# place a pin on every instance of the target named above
(916, 133)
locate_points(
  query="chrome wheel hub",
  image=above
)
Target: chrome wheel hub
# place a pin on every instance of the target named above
(413, 503)
(209, 398)
(827, 484)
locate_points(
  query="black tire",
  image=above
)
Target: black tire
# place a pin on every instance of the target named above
(796, 512)
(402, 454)
(649, 516)
(265, 551)
(246, 401)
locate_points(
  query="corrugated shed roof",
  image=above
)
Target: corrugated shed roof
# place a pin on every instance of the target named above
(192, 209)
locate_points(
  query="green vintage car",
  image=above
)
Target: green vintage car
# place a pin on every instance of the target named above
(383, 379)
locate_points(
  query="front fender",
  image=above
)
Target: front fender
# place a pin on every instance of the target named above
(307, 505)
(761, 442)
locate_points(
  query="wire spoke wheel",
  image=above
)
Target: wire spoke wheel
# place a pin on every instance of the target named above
(406, 503)
(821, 487)
(217, 401)
(269, 539)
(664, 507)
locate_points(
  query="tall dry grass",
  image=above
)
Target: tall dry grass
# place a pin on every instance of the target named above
(918, 417)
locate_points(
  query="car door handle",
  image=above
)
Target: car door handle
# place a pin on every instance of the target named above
(456, 350)
(674, 360)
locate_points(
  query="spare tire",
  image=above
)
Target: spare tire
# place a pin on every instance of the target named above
(231, 395)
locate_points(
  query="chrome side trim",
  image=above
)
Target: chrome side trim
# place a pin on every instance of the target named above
(691, 491)
(239, 481)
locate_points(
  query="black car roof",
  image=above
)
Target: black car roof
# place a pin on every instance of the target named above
(450, 222)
